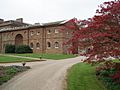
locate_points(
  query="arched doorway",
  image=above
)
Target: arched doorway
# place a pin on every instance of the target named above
(18, 39)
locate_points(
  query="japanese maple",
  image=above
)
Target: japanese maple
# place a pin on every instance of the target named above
(100, 35)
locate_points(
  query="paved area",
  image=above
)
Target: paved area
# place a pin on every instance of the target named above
(46, 75)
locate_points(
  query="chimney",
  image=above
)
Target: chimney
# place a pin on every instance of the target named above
(1, 20)
(19, 20)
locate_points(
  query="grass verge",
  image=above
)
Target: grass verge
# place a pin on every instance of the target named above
(48, 56)
(82, 77)
(4, 59)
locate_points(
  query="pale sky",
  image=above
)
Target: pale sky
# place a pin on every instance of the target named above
(40, 11)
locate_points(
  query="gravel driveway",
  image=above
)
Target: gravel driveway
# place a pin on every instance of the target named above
(46, 75)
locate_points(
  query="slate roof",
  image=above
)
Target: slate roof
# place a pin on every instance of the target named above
(34, 25)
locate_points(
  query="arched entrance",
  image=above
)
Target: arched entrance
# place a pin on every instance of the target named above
(18, 39)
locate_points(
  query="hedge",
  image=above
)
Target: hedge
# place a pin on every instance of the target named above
(23, 49)
(9, 48)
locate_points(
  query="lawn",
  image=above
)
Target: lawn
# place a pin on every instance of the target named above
(44, 56)
(48, 56)
(82, 77)
(12, 59)
(116, 60)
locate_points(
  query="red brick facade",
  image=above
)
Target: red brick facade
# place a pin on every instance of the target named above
(46, 38)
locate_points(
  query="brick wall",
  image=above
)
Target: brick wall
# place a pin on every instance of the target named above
(38, 37)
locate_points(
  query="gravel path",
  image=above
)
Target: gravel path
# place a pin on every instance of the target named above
(46, 75)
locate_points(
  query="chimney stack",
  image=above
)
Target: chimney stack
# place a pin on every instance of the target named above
(19, 20)
(1, 20)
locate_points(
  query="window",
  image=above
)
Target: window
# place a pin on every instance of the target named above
(4, 45)
(48, 44)
(24, 32)
(49, 31)
(32, 33)
(56, 31)
(38, 33)
(12, 33)
(31, 45)
(37, 45)
(67, 33)
(56, 45)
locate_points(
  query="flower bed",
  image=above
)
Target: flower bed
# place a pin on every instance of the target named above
(6, 73)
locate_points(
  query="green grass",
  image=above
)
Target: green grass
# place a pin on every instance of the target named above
(82, 77)
(12, 59)
(44, 56)
(116, 60)
(48, 56)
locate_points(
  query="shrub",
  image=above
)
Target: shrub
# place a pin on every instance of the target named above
(9, 48)
(23, 49)
(109, 73)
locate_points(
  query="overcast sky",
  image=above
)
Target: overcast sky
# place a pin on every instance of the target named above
(34, 11)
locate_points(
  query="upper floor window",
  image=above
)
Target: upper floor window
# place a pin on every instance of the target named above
(38, 33)
(49, 31)
(24, 32)
(12, 33)
(37, 45)
(56, 45)
(32, 33)
(56, 31)
(67, 33)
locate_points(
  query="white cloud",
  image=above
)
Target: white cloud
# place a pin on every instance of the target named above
(48, 10)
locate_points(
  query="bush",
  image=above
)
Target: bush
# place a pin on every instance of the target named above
(109, 73)
(23, 49)
(9, 48)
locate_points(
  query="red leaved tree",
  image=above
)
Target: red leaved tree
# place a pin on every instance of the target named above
(100, 35)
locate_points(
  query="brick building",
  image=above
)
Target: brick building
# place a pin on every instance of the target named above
(42, 38)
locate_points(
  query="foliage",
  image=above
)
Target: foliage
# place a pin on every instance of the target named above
(82, 76)
(6, 73)
(109, 73)
(100, 35)
(23, 49)
(9, 48)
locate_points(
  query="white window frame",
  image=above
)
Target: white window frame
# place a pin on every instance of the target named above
(32, 33)
(50, 45)
(38, 33)
(36, 45)
(56, 44)
(32, 46)
(48, 31)
(56, 31)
